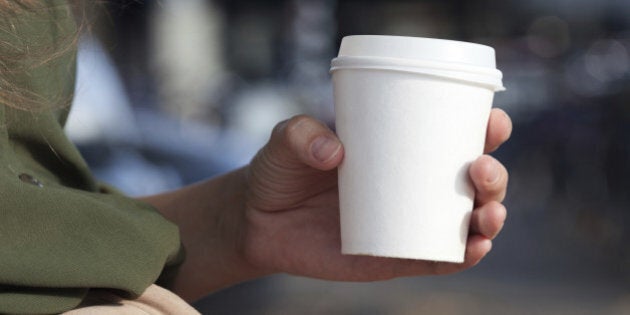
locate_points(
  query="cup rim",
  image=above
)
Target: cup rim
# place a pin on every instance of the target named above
(484, 76)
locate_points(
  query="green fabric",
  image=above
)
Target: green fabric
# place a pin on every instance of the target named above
(61, 233)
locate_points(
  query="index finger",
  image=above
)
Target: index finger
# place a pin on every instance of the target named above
(499, 129)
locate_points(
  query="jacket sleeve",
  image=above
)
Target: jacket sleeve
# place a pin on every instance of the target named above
(58, 242)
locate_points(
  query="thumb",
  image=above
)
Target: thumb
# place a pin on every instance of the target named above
(303, 140)
(295, 164)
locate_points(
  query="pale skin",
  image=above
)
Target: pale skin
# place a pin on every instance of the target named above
(280, 213)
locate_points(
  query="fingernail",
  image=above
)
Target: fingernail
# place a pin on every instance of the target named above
(324, 148)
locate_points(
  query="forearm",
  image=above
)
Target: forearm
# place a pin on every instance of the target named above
(210, 216)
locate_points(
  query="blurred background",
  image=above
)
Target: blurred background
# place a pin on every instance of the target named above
(173, 91)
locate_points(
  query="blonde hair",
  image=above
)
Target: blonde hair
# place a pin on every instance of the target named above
(19, 56)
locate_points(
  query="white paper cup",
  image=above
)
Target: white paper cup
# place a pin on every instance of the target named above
(412, 116)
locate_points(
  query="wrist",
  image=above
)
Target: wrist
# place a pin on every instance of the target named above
(211, 219)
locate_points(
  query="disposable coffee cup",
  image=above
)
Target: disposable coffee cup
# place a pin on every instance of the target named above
(412, 116)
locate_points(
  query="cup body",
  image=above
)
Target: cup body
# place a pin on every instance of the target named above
(409, 133)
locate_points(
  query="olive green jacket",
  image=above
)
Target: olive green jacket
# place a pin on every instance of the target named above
(61, 232)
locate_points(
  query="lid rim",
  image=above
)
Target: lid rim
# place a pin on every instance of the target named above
(399, 62)
(418, 48)
(489, 77)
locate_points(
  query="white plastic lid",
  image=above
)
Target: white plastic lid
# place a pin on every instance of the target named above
(462, 61)
(418, 48)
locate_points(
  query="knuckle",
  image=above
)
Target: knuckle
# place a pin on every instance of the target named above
(287, 129)
(290, 134)
(296, 121)
(294, 124)
(491, 193)
(497, 205)
(279, 128)
(498, 208)
(503, 211)
(495, 194)
(493, 187)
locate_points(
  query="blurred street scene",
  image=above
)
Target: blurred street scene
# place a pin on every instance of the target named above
(173, 91)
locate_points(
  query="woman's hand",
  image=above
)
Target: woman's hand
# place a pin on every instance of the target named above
(292, 209)
(281, 214)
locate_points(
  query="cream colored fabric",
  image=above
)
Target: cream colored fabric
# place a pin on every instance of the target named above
(154, 301)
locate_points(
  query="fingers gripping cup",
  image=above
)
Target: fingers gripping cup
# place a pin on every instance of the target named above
(412, 115)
